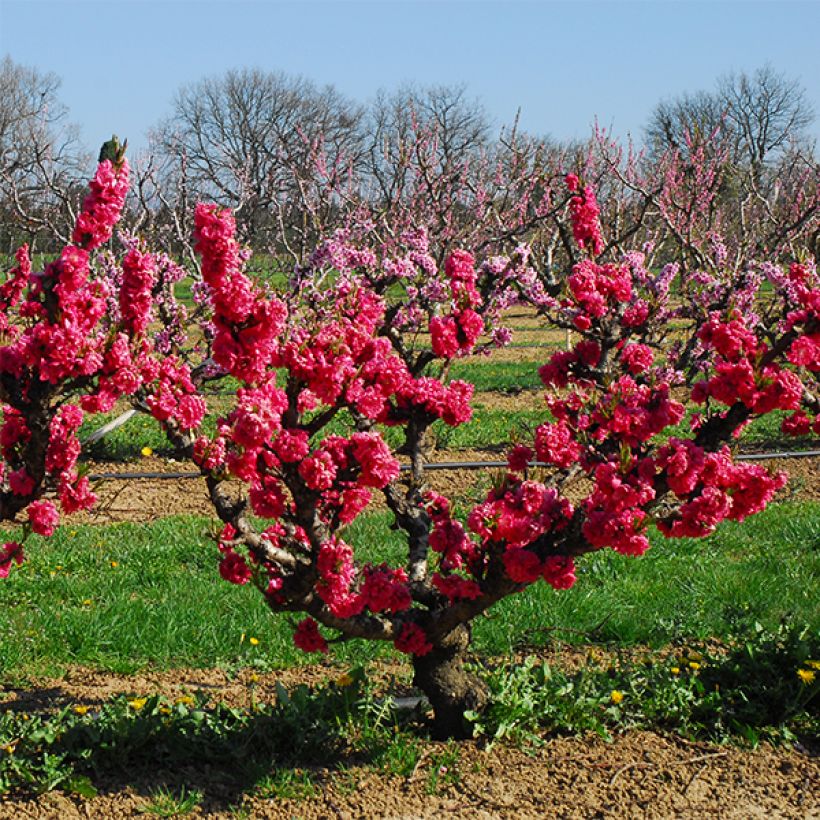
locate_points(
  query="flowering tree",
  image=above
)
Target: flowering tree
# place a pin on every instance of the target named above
(332, 370)
(614, 434)
(62, 358)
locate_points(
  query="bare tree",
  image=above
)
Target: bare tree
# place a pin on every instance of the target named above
(767, 111)
(735, 162)
(685, 120)
(439, 121)
(248, 138)
(41, 163)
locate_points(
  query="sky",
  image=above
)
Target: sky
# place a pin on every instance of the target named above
(564, 64)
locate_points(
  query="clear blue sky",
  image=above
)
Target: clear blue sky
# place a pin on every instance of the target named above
(563, 63)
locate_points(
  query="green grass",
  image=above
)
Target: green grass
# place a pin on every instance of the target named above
(503, 377)
(765, 570)
(164, 603)
(489, 428)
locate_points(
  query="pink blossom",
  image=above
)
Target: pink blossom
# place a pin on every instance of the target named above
(456, 587)
(21, 483)
(638, 358)
(412, 640)
(234, 569)
(584, 214)
(307, 637)
(10, 552)
(385, 589)
(523, 566)
(103, 205)
(559, 571)
(43, 517)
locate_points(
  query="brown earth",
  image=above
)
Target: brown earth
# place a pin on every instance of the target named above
(640, 774)
(637, 774)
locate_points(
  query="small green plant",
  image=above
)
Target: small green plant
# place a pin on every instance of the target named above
(765, 684)
(444, 768)
(287, 784)
(166, 803)
(533, 697)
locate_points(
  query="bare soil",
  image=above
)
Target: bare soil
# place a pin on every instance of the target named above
(637, 774)
(147, 499)
(640, 774)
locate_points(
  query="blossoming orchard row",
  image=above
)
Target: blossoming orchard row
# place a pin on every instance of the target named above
(80, 336)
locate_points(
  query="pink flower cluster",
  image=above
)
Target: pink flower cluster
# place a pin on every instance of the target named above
(517, 515)
(584, 213)
(382, 589)
(596, 289)
(626, 411)
(65, 351)
(135, 297)
(102, 207)
(173, 396)
(247, 325)
(457, 333)
(614, 514)
(412, 640)
(308, 638)
(713, 488)
(11, 552)
(12, 289)
(738, 372)
(61, 460)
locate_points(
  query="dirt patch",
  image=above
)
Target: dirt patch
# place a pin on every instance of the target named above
(640, 774)
(82, 686)
(510, 402)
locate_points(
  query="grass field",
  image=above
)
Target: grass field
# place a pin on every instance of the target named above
(120, 597)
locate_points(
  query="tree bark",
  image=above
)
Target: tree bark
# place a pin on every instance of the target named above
(451, 690)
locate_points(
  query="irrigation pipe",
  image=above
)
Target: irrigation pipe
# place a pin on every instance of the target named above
(442, 465)
(103, 431)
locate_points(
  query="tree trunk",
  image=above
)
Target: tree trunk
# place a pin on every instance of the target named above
(451, 690)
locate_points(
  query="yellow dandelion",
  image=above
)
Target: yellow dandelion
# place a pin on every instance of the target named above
(115, 564)
(254, 678)
(806, 675)
(253, 641)
(344, 680)
(694, 665)
(81, 710)
(9, 749)
(88, 602)
(137, 703)
(185, 700)
(675, 670)
(164, 710)
(813, 664)
(616, 697)
(147, 451)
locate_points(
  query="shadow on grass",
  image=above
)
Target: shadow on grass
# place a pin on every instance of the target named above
(153, 745)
